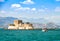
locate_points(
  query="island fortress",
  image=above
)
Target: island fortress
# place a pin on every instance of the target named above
(18, 24)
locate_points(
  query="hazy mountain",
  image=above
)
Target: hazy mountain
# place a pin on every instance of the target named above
(37, 23)
(32, 20)
(4, 21)
(47, 25)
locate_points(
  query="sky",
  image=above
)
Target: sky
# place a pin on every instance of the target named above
(36, 9)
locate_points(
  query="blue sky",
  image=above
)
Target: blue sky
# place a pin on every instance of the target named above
(47, 9)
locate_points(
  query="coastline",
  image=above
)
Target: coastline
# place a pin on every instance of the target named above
(28, 29)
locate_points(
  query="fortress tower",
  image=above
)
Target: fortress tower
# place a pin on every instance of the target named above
(17, 23)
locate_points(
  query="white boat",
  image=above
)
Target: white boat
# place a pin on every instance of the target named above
(43, 30)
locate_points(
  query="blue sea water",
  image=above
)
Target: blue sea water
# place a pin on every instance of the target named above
(29, 35)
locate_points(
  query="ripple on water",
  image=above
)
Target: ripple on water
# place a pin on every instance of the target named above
(29, 35)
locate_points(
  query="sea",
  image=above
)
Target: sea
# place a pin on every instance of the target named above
(29, 35)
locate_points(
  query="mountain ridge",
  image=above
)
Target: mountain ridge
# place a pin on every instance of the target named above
(5, 21)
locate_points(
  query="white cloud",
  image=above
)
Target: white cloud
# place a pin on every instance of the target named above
(44, 10)
(33, 9)
(19, 7)
(25, 8)
(15, 5)
(57, 9)
(22, 8)
(41, 10)
(57, 0)
(2, 11)
(2, 0)
(52, 17)
(55, 18)
(27, 2)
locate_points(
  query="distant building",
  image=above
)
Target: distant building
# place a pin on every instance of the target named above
(18, 24)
